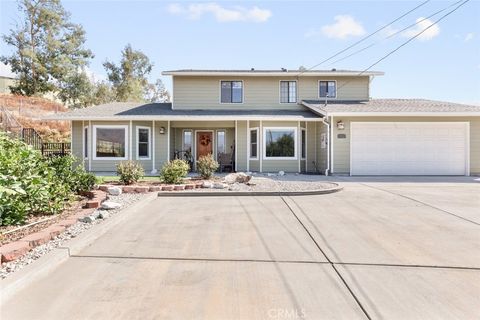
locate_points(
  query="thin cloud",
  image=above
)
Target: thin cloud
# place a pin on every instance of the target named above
(422, 24)
(196, 11)
(469, 36)
(345, 26)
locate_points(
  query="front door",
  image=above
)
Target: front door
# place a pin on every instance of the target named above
(204, 143)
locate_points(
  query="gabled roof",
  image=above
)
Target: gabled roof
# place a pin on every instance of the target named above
(163, 111)
(410, 107)
(278, 72)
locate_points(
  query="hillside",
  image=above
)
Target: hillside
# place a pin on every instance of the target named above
(29, 111)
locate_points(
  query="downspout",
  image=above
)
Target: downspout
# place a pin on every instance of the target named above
(328, 144)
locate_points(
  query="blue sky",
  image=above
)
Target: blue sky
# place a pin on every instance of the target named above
(443, 65)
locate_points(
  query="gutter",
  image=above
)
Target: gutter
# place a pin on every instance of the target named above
(328, 145)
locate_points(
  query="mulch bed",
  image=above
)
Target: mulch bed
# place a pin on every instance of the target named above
(52, 219)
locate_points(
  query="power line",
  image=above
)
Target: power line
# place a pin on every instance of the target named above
(408, 41)
(396, 33)
(366, 37)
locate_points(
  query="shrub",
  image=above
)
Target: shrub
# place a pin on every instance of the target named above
(174, 171)
(206, 166)
(129, 172)
(28, 183)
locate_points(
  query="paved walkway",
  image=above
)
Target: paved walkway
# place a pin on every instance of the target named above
(380, 249)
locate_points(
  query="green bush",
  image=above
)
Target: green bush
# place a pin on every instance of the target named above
(129, 172)
(174, 171)
(206, 166)
(32, 184)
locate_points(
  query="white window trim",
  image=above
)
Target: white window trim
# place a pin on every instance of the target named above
(301, 156)
(220, 92)
(216, 136)
(249, 142)
(85, 156)
(336, 89)
(137, 133)
(296, 91)
(295, 151)
(110, 126)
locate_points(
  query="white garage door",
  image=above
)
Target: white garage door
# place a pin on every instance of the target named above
(409, 148)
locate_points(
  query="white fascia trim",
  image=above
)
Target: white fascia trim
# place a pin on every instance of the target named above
(271, 74)
(295, 151)
(405, 114)
(203, 118)
(109, 126)
(137, 140)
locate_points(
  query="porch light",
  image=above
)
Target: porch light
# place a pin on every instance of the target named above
(162, 130)
(340, 125)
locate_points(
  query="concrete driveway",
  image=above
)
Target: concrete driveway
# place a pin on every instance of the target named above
(384, 248)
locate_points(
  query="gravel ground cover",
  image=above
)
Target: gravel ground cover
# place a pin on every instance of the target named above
(124, 200)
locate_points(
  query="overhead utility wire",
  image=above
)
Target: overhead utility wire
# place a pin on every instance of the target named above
(396, 32)
(408, 41)
(366, 37)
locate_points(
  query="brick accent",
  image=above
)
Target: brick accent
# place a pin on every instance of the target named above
(128, 189)
(155, 188)
(13, 250)
(55, 230)
(92, 204)
(67, 222)
(179, 187)
(167, 188)
(37, 238)
(142, 189)
(190, 186)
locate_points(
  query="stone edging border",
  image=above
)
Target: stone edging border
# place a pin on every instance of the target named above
(14, 250)
(249, 193)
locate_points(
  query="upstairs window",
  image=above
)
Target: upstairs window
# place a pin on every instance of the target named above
(231, 92)
(328, 89)
(288, 91)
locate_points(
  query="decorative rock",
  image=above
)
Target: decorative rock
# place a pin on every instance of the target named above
(154, 188)
(141, 189)
(13, 250)
(179, 187)
(104, 214)
(207, 184)
(218, 185)
(128, 189)
(271, 174)
(198, 184)
(114, 191)
(190, 186)
(281, 173)
(234, 187)
(87, 219)
(103, 187)
(239, 177)
(37, 238)
(110, 205)
(167, 188)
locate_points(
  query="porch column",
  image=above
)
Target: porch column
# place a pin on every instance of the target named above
(90, 145)
(130, 145)
(332, 165)
(154, 170)
(168, 140)
(299, 148)
(260, 145)
(236, 145)
(248, 145)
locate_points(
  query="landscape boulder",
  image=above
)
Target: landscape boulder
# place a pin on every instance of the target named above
(240, 177)
(110, 205)
(114, 191)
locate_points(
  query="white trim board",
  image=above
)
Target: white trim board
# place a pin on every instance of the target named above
(295, 151)
(110, 126)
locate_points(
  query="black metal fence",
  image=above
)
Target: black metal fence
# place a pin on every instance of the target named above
(48, 149)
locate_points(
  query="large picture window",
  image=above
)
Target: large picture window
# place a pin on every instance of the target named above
(254, 143)
(327, 89)
(110, 142)
(143, 143)
(280, 143)
(288, 91)
(231, 91)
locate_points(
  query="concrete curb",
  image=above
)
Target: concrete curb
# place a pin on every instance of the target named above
(42, 267)
(248, 193)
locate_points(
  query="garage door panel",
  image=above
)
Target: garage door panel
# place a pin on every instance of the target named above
(409, 148)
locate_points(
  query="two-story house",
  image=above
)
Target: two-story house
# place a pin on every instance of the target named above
(290, 120)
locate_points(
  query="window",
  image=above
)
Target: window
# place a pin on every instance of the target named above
(288, 91)
(254, 143)
(143, 146)
(221, 142)
(110, 142)
(231, 92)
(187, 140)
(280, 143)
(304, 143)
(327, 89)
(85, 142)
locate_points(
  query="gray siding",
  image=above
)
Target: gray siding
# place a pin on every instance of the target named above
(341, 147)
(77, 142)
(241, 146)
(195, 92)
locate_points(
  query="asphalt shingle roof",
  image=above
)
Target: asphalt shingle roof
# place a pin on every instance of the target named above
(390, 105)
(129, 110)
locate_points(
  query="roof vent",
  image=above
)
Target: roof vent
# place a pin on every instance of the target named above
(334, 69)
(284, 70)
(252, 69)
